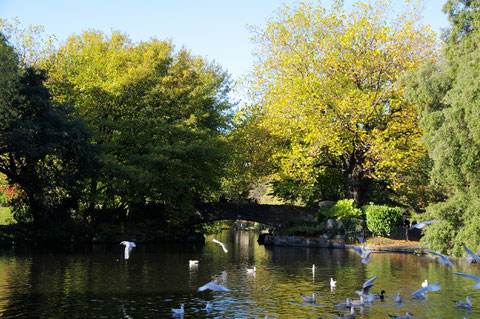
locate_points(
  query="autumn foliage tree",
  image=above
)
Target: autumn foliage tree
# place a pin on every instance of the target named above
(158, 114)
(326, 89)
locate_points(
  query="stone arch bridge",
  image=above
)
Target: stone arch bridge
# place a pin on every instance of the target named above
(272, 215)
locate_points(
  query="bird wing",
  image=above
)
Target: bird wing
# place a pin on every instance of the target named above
(420, 291)
(434, 253)
(471, 253)
(428, 222)
(216, 241)
(369, 282)
(477, 279)
(366, 289)
(434, 287)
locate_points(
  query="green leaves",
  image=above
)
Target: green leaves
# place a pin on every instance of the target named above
(327, 88)
(158, 115)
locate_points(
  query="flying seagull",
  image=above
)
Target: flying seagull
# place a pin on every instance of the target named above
(221, 244)
(420, 293)
(443, 259)
(464, 304)
(128, 247)
(212, 285)
(477, 279)
(420, 225)
(362, 251)
(474, 257)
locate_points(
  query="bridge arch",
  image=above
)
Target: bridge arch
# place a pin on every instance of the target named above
(272, 215)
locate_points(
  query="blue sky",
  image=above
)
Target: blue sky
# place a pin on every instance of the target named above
(215, 29)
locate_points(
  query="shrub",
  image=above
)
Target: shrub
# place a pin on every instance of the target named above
(344, 209)
(382, 219)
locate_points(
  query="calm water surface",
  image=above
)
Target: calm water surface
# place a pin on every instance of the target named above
(99, 283)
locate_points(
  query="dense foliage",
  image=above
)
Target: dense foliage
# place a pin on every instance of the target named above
(382, 219)
(159, 116)
(327, 95)
(447, 94)
(42, 151)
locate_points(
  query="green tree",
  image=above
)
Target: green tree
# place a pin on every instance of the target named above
(447, 94)
(326, 88)
(159, 115)
(42, 151)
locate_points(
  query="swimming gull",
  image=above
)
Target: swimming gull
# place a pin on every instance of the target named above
(420, 225)
(473, 257)
(420, 293)
(333, 283)
(310, 299)
(221, 244)
(350, 315)
(343, 305)
(408, 315)
(212, 285)
(252, 270)
(193, 263)
(443, 259)
(128, 247)
(398, 299)
(477, 279)
(464, 304)
(178, 311)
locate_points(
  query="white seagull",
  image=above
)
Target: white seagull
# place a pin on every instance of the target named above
(192, 263)
(333, 283)
(362, 251)
(365, 295)
(178, 311)
(398, 299)
(408, 315)
(420, 293)
(212, 285)
(443, 259)
(221, 244)
(473, 257)
(464, 304)
(128, 247)
(420, 225)
(477, 279)
(309, 299)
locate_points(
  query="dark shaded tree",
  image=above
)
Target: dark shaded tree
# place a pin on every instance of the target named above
(449, 100)
(43, 151)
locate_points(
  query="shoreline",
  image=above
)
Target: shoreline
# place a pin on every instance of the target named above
(294, 241)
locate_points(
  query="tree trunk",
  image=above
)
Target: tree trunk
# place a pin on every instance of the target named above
(355, 181)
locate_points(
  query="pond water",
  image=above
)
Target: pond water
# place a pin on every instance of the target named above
(99, 283)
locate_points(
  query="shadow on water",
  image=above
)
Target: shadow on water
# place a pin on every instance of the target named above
(98, 283)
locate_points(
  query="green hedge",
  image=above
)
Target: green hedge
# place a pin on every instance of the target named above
(382, 219)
